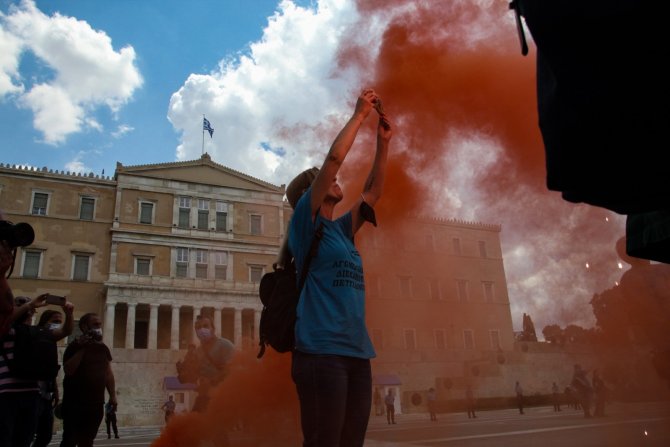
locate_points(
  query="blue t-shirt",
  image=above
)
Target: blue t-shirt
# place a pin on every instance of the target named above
(331, 311)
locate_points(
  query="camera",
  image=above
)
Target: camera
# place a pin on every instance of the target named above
(16, 235)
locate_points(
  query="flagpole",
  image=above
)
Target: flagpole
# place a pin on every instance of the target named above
(203, 134)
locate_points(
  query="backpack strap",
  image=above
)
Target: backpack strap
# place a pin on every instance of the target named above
(313, 251)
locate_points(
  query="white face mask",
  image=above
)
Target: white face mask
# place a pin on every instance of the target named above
(55, 326)
(203, 333)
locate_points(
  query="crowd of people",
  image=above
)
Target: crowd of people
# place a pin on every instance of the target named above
(590, 396)
(29, 366)
(29, 395)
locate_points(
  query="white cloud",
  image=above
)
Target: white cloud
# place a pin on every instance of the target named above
(285, 93)
(88, 72)
(122, 130)
(10, 49)
(76, 165)
(55, 114)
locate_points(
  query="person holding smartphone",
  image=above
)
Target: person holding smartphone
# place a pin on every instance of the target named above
(19, 396)
(51, 320)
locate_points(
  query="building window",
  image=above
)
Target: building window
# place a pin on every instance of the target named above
(255, 273)
(203, 214)
(182, 262)
(405, 286)
(86, 208)
(255, 222)
(488, 291)
(456, 243)
(184, 212)
(220, 265)
(80, 267)
(440, 339)
(462, 289)
(468, 339)
(221, 216)
(40, 203)
(495, 339)
(31, 263)
(201, 262)
(410, 339)
(143, 266)
(434, 285)
(378, 338)
(482, 249)
(146, 212)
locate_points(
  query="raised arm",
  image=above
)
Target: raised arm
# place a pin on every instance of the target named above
(374, 184)
(340, 148)
(68, 326)
(35, 303)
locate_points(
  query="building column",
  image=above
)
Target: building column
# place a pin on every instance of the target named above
(217, 321)
(153, 326)
(108, 329)
(130, 326)
(174, 328)
(238, 328)
(257, 325)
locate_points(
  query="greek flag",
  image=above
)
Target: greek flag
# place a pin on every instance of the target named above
(208, 127)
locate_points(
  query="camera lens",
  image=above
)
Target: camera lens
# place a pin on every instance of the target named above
(19, 235)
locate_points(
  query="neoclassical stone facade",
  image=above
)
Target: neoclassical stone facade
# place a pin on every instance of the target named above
(149, 249)
(189, 238)
(157, 245)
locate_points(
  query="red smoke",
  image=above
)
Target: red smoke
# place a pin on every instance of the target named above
(438, 76)
(256, 405)
(449, 71)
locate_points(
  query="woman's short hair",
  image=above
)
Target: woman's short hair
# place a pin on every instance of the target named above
(46, 316)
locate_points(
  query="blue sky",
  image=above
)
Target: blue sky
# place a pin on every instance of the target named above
(171, 40)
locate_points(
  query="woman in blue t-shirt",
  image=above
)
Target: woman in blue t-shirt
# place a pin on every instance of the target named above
(331, 360)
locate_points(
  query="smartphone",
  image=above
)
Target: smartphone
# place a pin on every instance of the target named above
(55, 299)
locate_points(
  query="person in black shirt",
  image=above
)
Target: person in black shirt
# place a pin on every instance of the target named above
(51, 320)
(88, 372)
(110, 420)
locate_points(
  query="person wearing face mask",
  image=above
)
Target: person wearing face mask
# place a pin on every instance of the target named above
(212, 356)
(19, 396)
(88, 372)
(51, 320)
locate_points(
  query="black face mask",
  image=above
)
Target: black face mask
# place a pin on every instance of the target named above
(94, 334)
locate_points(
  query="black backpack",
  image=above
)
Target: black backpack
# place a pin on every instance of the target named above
(35, 353)
(279, 292)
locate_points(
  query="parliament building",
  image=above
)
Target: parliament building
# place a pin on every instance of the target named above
(156, 245)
